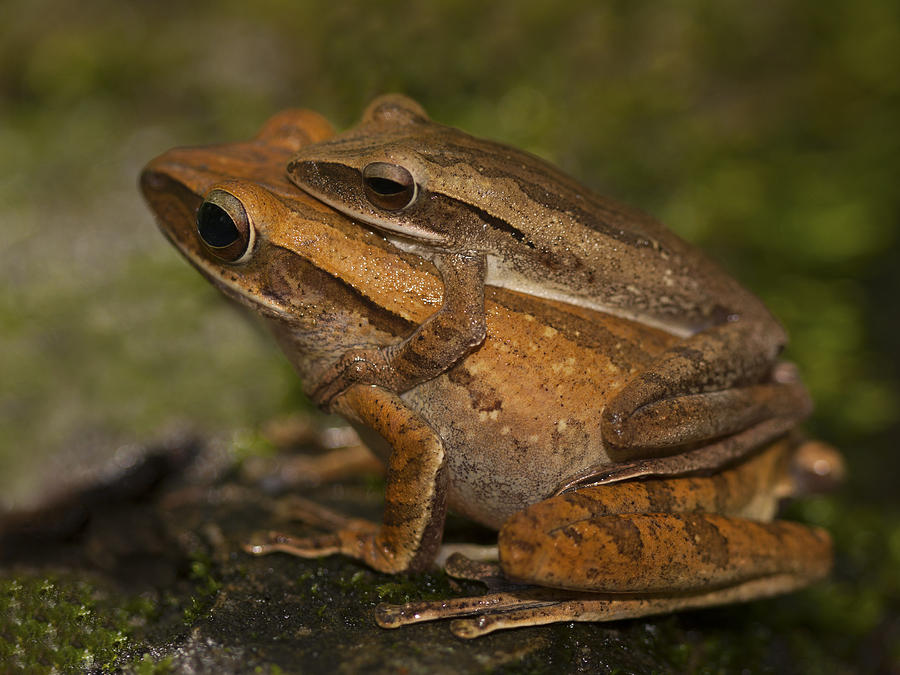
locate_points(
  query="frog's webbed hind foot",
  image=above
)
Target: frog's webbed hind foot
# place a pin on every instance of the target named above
(504, 597)
(536, 606)
(490, 574)
(485, 609)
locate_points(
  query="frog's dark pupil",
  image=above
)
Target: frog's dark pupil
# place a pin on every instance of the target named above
(384, 186)
(215, 226)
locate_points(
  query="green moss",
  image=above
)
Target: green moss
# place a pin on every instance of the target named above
(64, 625)
(206, 585)
(147, 666)
(268, 670)
(430, 586)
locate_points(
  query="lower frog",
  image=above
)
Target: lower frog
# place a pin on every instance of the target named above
(508, 436)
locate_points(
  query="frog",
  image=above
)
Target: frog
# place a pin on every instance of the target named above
(488, 214)
(507, 436)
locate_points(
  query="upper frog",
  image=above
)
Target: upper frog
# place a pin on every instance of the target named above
(543, 232)
(491, 215)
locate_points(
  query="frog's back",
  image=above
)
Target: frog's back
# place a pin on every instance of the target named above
(548, 232)
(519, 415)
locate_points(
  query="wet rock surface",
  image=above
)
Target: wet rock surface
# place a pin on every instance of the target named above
(168, 528)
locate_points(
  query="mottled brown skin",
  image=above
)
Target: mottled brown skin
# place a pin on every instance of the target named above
(642, 548)
(498, 434)
(494, 215)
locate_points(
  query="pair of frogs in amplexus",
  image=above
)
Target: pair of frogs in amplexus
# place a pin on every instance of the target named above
(542, 360)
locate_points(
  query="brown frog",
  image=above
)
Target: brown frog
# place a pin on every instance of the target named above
(491, 215)
(508, 435)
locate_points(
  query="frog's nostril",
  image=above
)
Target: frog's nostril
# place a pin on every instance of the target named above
(152, 180)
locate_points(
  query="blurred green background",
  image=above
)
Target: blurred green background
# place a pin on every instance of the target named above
(767, 133)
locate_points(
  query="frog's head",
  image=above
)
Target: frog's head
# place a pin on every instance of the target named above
(434, 185)
(376, 172)
(230, 210)
(226, 207)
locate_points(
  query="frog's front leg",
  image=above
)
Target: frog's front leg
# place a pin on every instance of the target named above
(721, 382)
(415, 494)
(445, 337)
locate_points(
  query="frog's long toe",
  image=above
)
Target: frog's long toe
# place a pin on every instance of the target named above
(310, 513)
(302, 547)
(394, 616)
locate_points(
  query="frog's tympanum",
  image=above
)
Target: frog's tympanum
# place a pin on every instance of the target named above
(538, 359)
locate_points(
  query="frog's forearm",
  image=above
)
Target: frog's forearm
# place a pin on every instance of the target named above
(451, 332)
(415, 495)
(442, 340)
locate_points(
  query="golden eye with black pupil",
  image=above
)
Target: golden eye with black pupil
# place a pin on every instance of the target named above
(224, 227)
(388, 186)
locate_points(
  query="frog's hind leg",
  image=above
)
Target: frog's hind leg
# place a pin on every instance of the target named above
(679, 535)
(631, 566)
(626, 550)
(532, 606)
(716, 384)
(663, 553)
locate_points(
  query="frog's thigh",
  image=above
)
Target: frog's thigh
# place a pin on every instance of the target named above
(716, 383)
(621, 566)
(701, 417)
(662, 553)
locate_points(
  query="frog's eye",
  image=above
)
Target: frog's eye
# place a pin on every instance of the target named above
(224, 227)
(389, 186)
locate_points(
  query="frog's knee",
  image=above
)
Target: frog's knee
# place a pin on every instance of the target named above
(518, 545)
(614, 427)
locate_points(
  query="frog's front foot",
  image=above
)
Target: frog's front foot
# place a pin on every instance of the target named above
(361, 544)
(359, 366)
(342, 533)
(307, 547)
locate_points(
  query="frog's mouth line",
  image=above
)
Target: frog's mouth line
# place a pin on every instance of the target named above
(212, 273)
